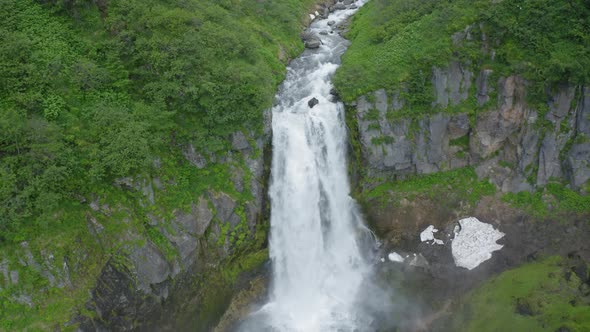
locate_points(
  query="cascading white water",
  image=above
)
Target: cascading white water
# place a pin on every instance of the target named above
(318, 263)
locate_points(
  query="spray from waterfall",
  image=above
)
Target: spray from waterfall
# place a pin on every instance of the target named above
(317, 241)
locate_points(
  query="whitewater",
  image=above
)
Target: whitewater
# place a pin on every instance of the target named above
(317, 239)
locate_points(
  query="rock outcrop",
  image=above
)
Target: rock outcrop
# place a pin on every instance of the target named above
(493, 129)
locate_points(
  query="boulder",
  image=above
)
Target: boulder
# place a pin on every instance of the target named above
(313, 43)
(312, 102)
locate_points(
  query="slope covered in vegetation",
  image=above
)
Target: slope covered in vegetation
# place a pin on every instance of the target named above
(397, 42)
(95, 95)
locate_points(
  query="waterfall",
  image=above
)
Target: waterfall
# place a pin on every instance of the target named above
(316, 233)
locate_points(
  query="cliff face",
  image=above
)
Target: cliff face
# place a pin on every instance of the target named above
(181, 272)
(190, 281)
(517, 146)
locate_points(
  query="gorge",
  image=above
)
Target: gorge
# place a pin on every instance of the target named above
(424, 165)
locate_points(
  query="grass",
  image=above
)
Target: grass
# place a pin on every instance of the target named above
(395, 44)
(541, 289)
(461, 184)
(550, 201)
(78, 111)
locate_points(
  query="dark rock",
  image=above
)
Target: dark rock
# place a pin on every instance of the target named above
(581, 270)
(331, 23)
(339, 6)
(323, 32)
(312, 102)
(313, 43)
(523, 307)
(150, 266)
(347, 2)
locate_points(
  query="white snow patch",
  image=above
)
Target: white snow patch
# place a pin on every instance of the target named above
(428, 235)
(395, 257)
(312, 16)
(474, 243)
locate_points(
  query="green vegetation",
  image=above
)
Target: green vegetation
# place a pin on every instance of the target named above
(94, 91)
(459, 185)
(396, 43)
(221, 286)
(550, 201)
(88, 97)
(540, 296)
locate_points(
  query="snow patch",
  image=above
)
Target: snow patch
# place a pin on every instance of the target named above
(395, 257)
(474, 243)
(428, 235)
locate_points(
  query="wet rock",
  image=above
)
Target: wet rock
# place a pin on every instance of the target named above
(312, 102)
(324, 33)
(334, 93)
(310, 40)
(331, 23)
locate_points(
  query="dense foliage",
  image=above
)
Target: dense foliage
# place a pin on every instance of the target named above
(94, 90)
(398, 42)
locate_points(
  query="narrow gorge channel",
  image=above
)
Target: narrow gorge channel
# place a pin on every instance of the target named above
(318, 243)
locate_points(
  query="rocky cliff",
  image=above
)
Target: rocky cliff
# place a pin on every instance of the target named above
(517, 145)
(185, 277)
(157, 267)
